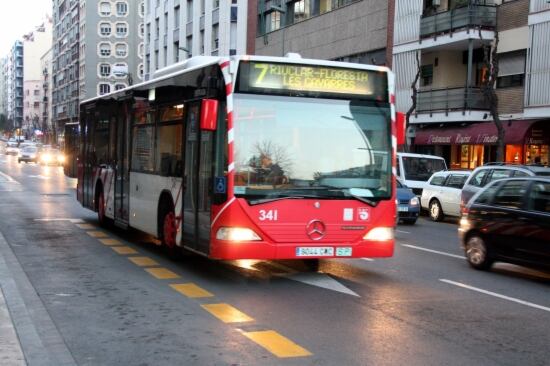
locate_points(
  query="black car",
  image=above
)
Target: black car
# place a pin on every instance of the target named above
(508, 221)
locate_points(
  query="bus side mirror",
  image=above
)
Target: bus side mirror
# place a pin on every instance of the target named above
(400, 128)
(209, 114)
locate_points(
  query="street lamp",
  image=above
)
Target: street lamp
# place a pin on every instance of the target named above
(185, 50)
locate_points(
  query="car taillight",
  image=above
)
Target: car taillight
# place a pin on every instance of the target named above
(463, 207)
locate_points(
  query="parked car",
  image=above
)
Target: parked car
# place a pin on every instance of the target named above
(508, 221)
(408, 205)
(441, 197)
(483, 175)
(414, 170)
(28, 154)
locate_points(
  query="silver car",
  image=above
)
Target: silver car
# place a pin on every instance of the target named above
(442, 194)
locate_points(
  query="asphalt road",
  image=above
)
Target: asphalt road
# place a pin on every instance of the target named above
(88, 296)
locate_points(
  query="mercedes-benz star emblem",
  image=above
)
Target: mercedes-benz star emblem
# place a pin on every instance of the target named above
(315, 230)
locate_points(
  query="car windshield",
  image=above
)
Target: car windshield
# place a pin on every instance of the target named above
(293, 146)
(29, 149)
(421, 168)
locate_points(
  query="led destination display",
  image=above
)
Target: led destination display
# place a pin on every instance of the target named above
(262, 76)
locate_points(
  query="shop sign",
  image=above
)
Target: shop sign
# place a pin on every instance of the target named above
(536, 137)
(486, 139)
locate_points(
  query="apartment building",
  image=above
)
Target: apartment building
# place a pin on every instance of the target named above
(35, 44)
(98, 49)
(343, 30)
(14, 82)
(48, 128)
(178, 29)
(3, 86)
(452, 117)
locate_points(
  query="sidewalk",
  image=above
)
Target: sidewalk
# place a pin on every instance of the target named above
(10, 349)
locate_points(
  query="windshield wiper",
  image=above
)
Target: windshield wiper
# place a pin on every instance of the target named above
(347, 193)
(260, 201)
(365, 200)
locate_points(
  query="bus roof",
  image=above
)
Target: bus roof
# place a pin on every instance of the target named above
(198, 62)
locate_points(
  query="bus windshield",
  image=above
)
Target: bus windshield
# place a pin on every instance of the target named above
(311, 147)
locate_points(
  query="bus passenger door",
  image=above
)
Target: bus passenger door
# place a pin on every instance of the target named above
(122, 168)
(197, 177)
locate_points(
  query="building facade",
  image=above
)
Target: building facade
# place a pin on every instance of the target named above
(48, 128)
(444, 41)
(3, 86)
(14, 83)
(35, 44)
(343, 30)
(178, 29)
(98, 49)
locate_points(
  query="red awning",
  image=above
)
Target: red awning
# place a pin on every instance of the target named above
(474, 134)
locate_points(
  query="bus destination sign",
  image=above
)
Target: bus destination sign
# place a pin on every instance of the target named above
(310, 78)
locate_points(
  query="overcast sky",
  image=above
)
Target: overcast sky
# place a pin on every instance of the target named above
(18, 17)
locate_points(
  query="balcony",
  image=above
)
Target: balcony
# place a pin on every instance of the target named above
(451, 100)
(472, 16)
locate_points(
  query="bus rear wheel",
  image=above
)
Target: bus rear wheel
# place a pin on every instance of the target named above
(168, 231)
(103, 220)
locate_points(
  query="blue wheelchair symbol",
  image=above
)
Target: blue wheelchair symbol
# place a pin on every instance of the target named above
(220, 184)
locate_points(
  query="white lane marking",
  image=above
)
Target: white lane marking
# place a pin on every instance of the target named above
(8, 178)
(368, 259)
(322, 280)
(74, 221)
(402, 231)
(433, 251)
(513, 299)
(39, 176)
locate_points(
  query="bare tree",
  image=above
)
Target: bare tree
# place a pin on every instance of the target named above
(414, 97)
(277, 153)
(490, 63)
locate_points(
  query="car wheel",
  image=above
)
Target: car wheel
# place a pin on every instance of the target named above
(478, 253)
(436, 212)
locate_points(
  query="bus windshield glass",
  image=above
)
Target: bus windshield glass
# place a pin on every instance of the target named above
(311, 147)
(421, 168)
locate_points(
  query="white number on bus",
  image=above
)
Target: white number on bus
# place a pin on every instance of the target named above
(269, 215)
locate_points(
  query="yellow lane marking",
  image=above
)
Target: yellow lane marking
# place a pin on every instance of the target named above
(227, 313)
(143, 261)
(109, 241)
(162, 273)
(191, 290)
(86, 226)
(277, 344)
(124, 250)
(96, 234)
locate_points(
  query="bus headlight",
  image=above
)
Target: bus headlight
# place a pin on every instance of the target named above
(237, 234)
(379, 234)
(414, 201)
(46, 158)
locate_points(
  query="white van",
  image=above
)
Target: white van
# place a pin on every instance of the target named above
(415, 169)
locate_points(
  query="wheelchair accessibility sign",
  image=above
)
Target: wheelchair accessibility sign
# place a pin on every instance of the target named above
(220, 185)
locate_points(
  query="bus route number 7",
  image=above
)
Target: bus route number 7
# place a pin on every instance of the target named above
(268, 215)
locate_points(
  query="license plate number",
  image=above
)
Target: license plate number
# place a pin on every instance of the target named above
(403, 209)
(343, 252)
(315, 252)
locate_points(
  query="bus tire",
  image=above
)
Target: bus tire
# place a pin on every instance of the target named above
(167, 227)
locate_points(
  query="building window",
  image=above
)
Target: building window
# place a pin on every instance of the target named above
(105, 29)
(426, 75)
(189, 11)
(215, 39)
(509, 81)
(104, 88)
(141, 50)
(142, 9)
(215, 4)
(176, 17)
(121, 50)
(120, 70)
(104, 70)
(301, 10)
(273, 21)
(189, 47)
(121, 29)
(141, 30)
(176, 51)
(120, 86)
(104, 49)
(104, 9)
(121, 9)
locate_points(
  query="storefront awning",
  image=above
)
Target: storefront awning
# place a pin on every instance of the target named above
(517, 133)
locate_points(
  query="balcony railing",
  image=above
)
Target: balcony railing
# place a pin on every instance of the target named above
(472, 16)
(451, 99)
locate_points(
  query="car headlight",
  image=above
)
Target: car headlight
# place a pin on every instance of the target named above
(237, 234)
(61, 158)
(46, 158)
(379, 234)
(414, 201)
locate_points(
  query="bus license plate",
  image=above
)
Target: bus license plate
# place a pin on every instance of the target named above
(343, 252)
(403, 209)
(315, 252)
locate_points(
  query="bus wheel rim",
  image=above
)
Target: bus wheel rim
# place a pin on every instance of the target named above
(170, 230)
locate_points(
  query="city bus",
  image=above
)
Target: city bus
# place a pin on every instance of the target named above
(248, 157)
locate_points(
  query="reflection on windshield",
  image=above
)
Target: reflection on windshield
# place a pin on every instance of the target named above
(421, 169)
(285, 146)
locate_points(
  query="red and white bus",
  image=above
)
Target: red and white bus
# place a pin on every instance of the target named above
(248, 157)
